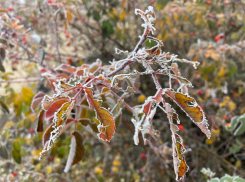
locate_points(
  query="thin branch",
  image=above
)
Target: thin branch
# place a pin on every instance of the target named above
(56, 35)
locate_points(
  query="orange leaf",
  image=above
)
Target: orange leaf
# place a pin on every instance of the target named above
(191, 108)
(55, 106)
(107, 123)
(69, 16)
(77, 150)
(182, 166)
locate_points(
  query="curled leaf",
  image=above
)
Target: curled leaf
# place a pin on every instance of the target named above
(107, 123)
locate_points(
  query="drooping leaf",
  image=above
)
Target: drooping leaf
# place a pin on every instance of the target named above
(179, 161)
(107, 123)
(77, 150)
(54, 107)
(40, 121)
(17, 156)
(37, 100)
(191, 108)
(4, 106)
(3, 152)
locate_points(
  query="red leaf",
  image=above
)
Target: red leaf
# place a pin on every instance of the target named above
(55, 106)
(40, 121)
(37, 100)
(47, 132)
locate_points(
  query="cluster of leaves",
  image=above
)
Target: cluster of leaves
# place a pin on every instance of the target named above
(94, 85)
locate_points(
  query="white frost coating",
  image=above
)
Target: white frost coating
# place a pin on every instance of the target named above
(148, 16)
(202, 125)
(72, 153)
(55, 133)
(119, 51)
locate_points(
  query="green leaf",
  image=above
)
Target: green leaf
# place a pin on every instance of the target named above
(107, 28)
(4, 106)
(96, 15)
(17, 156)
(214, 180)
(17, 146)
(3, 152)
(236, 147)
(237, 125)
(27, 123)
(77, 150)
(86, 122)
(2, 57)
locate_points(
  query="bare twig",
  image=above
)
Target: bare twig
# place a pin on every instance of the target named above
(56, 35)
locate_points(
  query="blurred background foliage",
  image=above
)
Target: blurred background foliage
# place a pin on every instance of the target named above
(211, 32)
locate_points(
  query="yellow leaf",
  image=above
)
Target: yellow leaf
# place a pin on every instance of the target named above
(98, 170)
(232, 105)
(238, 164)
(9, 124)
(115, 169)
(116, 163)
(122, 15)
(27, 95)
(214, 56)
(38, 167)
(195, 58)
(210, 141)
(221, 72)
(176, 16)
(141, 98)
(48, 169)
(68, 16)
